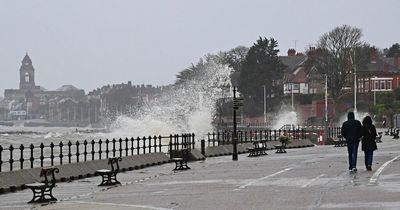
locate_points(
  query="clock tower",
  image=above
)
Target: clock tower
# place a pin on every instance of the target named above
(26, 74)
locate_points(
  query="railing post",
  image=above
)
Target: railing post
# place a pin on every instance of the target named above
(126, 146)
(41, 154)
(213, 139)
(113, 150)
(159, 142)
(144, 144)
(137, 145)
(69, 151)
(193, 141)
(132, 139)
(107, 151)
(85, 150)
(1, 157)
(21, 159)
(120, 147)
(11, 161)
(51, 154)
(100, 151)
(92, 144)
(270, 135)
(77, 151)
(203, 147)
(61, 152)
(155, 143)
(149, 144)
(69, 144)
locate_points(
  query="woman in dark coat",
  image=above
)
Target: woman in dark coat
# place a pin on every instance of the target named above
(368, 141)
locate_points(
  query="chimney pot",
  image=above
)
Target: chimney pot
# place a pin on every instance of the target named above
(373, 55)
(291, 52)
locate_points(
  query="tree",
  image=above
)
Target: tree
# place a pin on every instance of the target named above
(334, 57)
(261, 67)
(393, 50)
(234, 58)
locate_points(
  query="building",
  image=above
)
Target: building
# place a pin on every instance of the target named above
(381, 74)
(298, 79)
(32, 100)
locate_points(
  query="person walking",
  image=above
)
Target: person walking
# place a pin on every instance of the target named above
(368, 131)
(351, 131)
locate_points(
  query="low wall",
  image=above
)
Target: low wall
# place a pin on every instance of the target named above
(242, 148)
(15, 180)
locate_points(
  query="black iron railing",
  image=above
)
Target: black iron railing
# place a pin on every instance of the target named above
(225, 137)
(334, 131)
(69, 152)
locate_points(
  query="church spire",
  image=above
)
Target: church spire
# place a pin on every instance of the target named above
(27, 60)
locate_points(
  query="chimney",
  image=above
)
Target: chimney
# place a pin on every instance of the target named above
(385, 51)
(396, 60)
(291, 52)
(372, 55)
(385, 67)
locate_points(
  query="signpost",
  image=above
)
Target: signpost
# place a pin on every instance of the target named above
(237, 102)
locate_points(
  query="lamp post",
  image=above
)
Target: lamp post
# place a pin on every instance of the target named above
(355, 83)
(326, 108)
(234, 140)
(265, 106)
(374, 96)
(291, 90)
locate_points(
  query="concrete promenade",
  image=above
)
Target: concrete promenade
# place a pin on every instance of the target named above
(306, 178)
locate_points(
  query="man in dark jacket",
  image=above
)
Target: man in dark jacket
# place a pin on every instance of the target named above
(351, 131)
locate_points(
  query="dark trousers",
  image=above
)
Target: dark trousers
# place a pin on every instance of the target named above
(368, 157)
(352, 150)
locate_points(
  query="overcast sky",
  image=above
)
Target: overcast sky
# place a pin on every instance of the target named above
(90, 43)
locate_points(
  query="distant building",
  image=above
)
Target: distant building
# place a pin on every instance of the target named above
(69, 105)
(32, 100)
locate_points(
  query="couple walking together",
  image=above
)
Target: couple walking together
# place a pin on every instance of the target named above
(353, 132)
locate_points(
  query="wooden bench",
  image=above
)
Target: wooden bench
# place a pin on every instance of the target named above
(396, 134)
(280, 148)
(259, 148)
(43, 192)
(181, 159)
(339, 142)
(387, 132)
(109, 177)
(378, 139)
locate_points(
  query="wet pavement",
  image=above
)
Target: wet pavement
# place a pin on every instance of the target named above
(306, 178)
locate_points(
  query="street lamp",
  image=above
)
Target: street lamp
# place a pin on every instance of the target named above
(374, 88)
(265, 106)
(355, 83)
(291, 90)
(234, 140)
(326, 108)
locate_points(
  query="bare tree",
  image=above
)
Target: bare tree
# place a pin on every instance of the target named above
(333, 57)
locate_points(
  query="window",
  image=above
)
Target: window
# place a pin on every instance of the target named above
(382, 85)
(26, 77)
(389, 85)
(376, 85)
